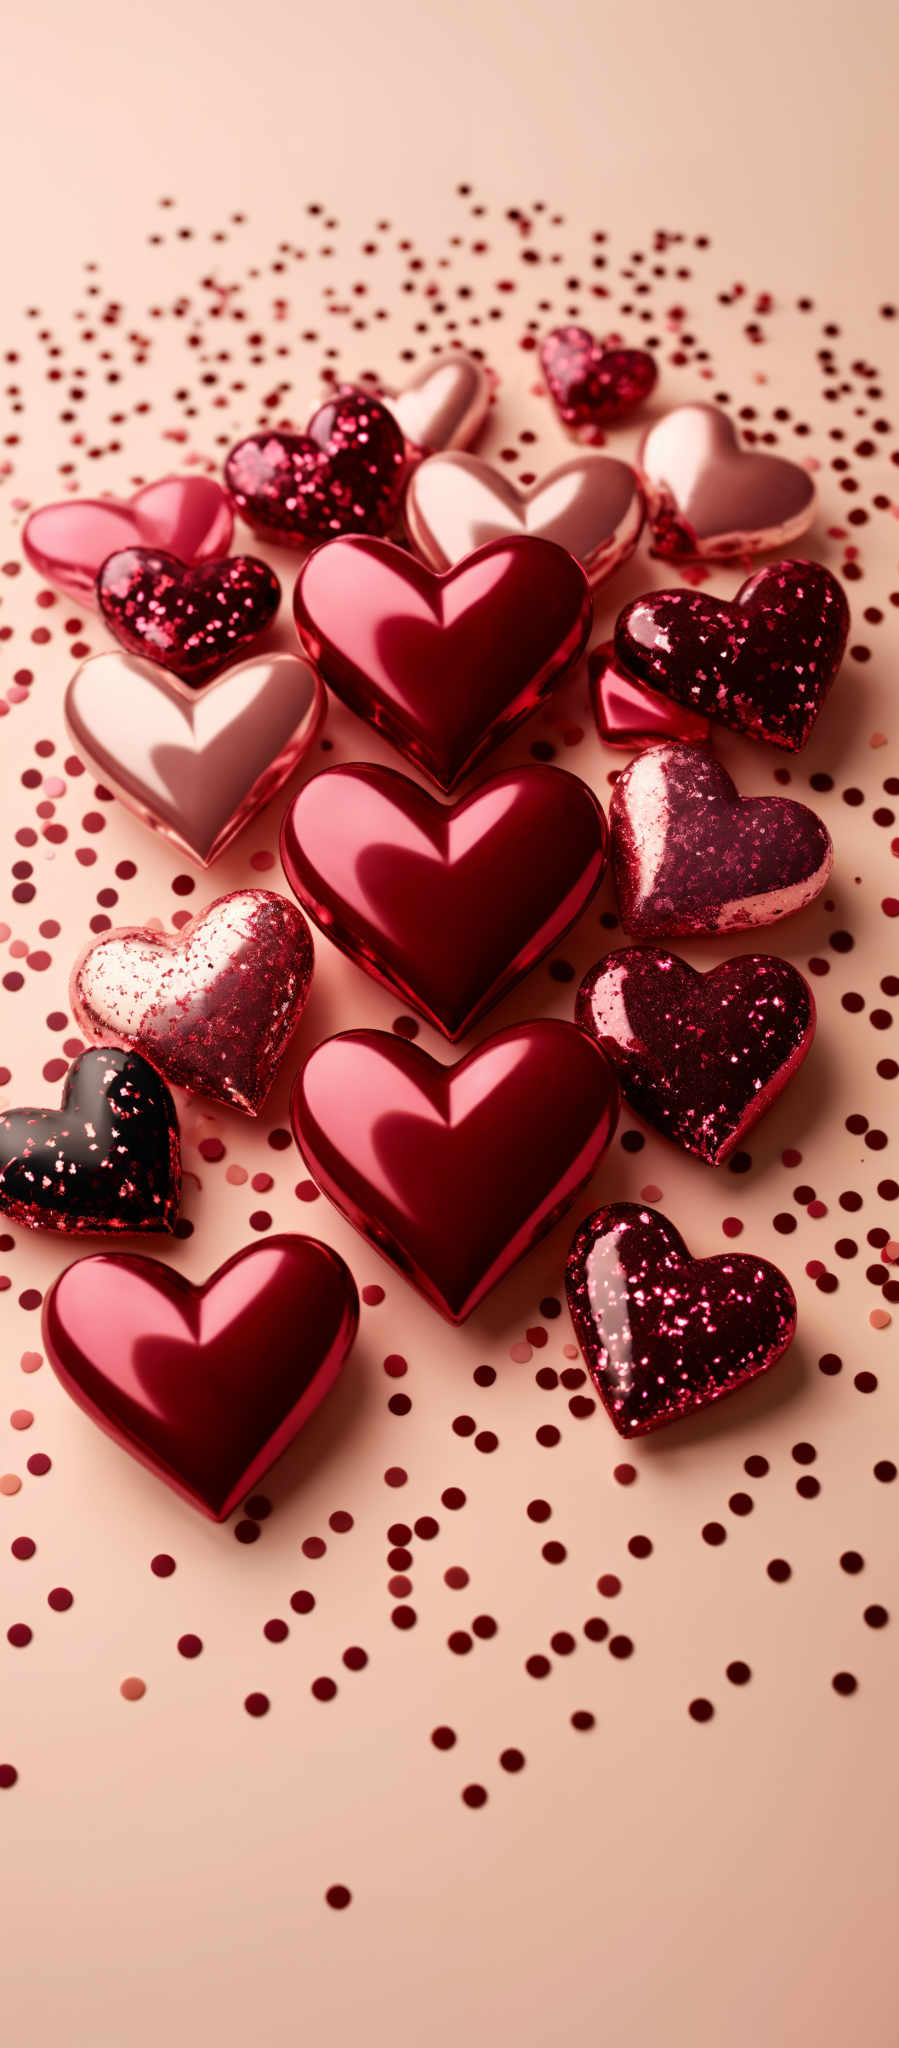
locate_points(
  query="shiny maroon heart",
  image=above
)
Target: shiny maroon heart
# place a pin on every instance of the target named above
(213, 1006)
(762, 665)
(190, 621)
(109, 1159)
(447, 904)
(443, 666)
(188, 516)
(455, 1172)
(591, 505)
(205, 1385)
(700, 1056)
(690, 855)
(664, 1334)
(591, 383)
(708, 498)
(629, 716)
(344, 475)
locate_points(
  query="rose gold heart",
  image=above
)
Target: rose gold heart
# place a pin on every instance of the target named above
(707, 497)
(444, 405)
(195, 764)
(189, 516)
(591, 505)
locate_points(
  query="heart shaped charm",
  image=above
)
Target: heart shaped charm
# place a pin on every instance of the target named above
(205, 1385)
(188, 516)
(700, 1056)
(690, 855)
(591, 384)
(663, 1334)
(191, 621)
(108, 1159)
(447, 904)
(629, 716)
(344, 475)
(455, 1172)
(444, 405)
(709, 499)
(762, 665)
(591, 505)
(196, 765)
(213, 1006)
(443, 666)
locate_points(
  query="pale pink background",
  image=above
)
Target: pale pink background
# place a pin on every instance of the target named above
(653, 1884)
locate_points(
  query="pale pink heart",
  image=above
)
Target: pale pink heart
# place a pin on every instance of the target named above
(708, 497)
(194, 764)
(592, 505)
(444, 405)
(68, 543)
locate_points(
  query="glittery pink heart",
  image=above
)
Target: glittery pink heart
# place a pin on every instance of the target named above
(190, 621)
(591, 505)
(664, 1334)
(762, 665)
(211, 1007)
(708, 497)
(194, 764)
(591, 383)
(444, 405)
(629, 716)
(700, 1056)
(188, 516)
(690, 855)
(344, 475)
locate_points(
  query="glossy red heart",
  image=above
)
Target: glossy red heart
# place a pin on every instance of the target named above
(691, 855)
(190, 621)
(700, 1056)
(762, 665)
(592, 383)
(627, 715)
(443, 666)
(708, 498)
(455, 1172)
(187, 516)
(664, 1334)
(213, 1006)
(448, 904)
(206, 1385)
(344, 475)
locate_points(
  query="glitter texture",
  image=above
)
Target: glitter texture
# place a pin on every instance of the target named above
(443, 666)
(448, 904)
(191, 621)
(592, 505)
(455, 1172)
(590, 383)
(196, 765)
(205, 1385)
(344, 475)
(690, 855)
(763, 664)
(108, 1160)
(700, 1056)
(707, 498)
(212, 1008)
(188, 516)
(664, 1334)
(629, 716)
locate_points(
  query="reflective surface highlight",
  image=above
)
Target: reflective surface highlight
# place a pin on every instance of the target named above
(591, 505)
(109, 1159)
(707, 497)
(190, 621)
(629, 716)
(189, 516)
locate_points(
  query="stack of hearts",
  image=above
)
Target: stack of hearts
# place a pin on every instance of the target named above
(441, 606)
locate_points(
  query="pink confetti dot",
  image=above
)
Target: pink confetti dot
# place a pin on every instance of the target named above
(132, 1688)
(21, 1418)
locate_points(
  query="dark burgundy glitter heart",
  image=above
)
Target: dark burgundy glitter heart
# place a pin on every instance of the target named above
(664, 1334)
(700, 1056)
(191, 621)
(763, 664)
(109, 1159)
(591, 384)
(344, 475)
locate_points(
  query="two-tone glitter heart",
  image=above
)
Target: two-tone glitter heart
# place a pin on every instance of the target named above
(592, 383)
(344, 475)
(109, 1159)
(190, 621)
